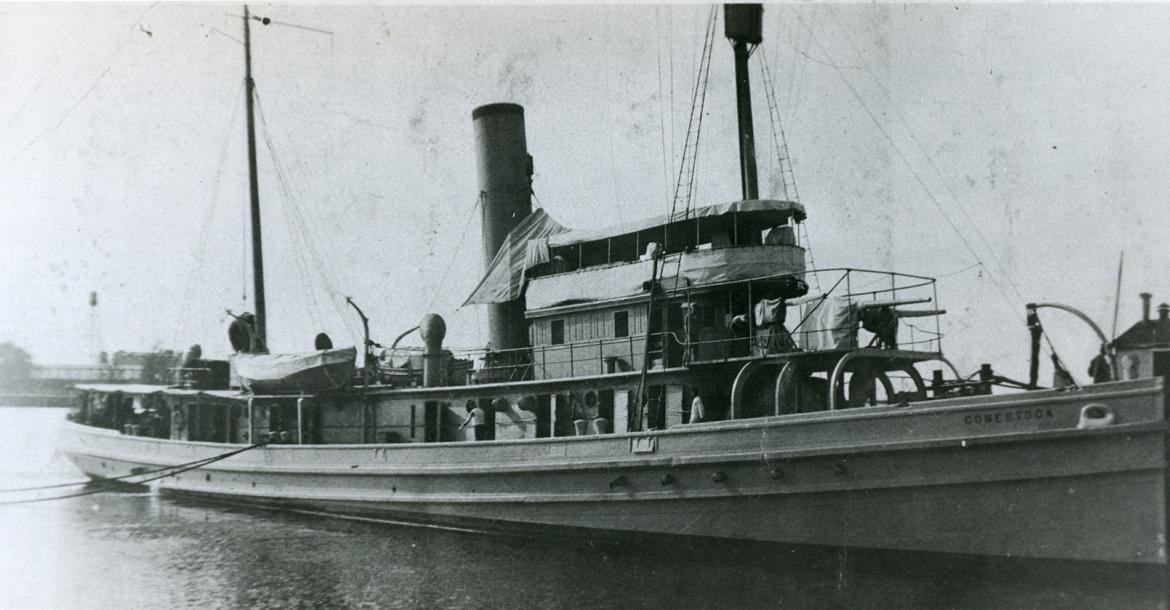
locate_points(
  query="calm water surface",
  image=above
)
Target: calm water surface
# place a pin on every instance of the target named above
(139, 550)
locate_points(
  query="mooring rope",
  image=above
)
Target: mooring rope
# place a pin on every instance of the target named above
(174, 470)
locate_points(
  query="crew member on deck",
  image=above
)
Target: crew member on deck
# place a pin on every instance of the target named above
(770, 316)
(698, 414)
(476, 416)
(1100, 369)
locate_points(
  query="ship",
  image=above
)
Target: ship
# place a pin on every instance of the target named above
(675, 376)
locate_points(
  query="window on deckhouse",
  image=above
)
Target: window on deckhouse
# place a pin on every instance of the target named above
(558, 332)
(621, 324)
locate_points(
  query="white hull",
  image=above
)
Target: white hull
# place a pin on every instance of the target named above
(993, 475)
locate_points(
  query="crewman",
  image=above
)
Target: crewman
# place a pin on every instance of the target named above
(1100, 369)
(476, 416)
(697, 412)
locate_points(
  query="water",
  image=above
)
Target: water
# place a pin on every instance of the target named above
(139, 550)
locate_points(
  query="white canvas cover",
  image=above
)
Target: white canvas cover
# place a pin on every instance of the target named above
(274, 369)
(829, 323)
(524, 246)
(125, 388)
(780, 209)
(528, 245)
(700, 268)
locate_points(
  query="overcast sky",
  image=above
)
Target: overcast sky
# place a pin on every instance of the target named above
(1041, 132)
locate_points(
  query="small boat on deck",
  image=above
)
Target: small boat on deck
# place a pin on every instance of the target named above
(673, 377)
(319, 371)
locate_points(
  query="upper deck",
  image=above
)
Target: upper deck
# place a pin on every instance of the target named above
(710, 245)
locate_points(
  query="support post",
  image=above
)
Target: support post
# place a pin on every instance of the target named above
(300, 421)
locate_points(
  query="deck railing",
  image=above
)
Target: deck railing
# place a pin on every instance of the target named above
(850, 292)
(87, 372)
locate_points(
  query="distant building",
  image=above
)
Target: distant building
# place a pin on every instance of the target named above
(1144, 349)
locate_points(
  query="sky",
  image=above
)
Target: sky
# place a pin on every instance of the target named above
(1012, 150)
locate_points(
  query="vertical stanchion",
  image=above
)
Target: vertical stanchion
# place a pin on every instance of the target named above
(300, 421)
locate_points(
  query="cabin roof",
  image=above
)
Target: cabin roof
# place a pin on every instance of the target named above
(169, 390)
(1147, 333)
(125, 388)
(780, 211)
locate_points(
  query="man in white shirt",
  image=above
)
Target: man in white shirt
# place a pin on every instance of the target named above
(697, 412)
(476, 416)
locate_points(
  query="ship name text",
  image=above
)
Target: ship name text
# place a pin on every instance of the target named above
(1000, 417)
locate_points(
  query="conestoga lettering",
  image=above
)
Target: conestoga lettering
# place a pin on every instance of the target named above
(1000, 417)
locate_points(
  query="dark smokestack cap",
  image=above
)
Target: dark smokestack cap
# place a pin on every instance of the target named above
(744, 22)
(1146, 305)
(493, 109)
(1164, 311)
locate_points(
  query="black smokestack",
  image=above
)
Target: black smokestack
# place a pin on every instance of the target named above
(1145, 305)
(504, 168)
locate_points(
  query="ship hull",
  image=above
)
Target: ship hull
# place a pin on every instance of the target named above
(996, 475)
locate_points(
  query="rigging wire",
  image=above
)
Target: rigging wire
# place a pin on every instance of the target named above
(963, 270)
(47, 71)
(606, 71)
(1057, 361)
(455, 255)
(807, 241)
(695, 125)
(175, 470)
(661, 111)
(796, 77)
(301, 267)
(783, 155)
(325, 270)
(88, 92)
(779, 139)
(917, 176)
(292, 228)
(930, 162)
(289, 224)
(670, 63)
(205, 226)
(124, 477)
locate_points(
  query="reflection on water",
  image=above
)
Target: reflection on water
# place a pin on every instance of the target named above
(137, 550)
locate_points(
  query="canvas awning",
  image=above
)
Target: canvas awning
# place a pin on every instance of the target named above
(525, 246)
(125, 388)
(528, 244)
(695, 269)
(779, 210)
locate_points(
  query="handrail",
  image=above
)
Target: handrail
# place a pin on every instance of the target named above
(845, 271)
(672, 255)
(539, 359)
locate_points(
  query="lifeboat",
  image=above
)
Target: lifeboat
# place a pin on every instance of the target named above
(317, 371)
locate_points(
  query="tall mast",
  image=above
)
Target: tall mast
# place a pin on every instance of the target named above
(742, 24)
(260, 338)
